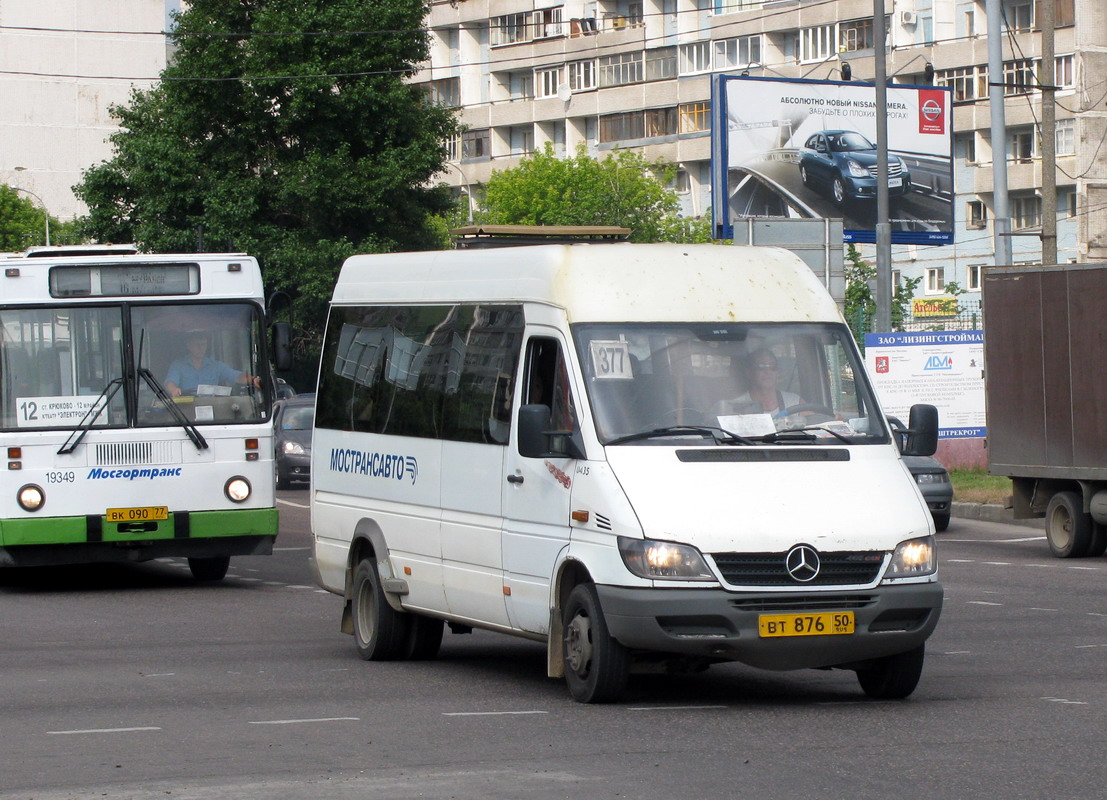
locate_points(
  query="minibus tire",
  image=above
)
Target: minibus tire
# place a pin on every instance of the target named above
(424, 638)
(380, 632)
(209, 569)
(596, 666)
(893, 677)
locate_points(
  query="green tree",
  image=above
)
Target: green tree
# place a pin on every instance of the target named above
(283, 129)
(860, 305)
(23, 223)
(621, 189)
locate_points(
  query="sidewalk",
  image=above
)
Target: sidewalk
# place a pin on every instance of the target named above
(993, 513)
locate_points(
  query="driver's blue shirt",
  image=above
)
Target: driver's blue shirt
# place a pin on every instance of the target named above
(211, 372)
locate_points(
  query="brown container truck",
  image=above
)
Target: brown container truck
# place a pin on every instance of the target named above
(1045, 358)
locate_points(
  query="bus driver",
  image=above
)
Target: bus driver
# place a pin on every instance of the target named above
(197, 369)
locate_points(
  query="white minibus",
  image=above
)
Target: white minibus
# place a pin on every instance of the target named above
(646, 456)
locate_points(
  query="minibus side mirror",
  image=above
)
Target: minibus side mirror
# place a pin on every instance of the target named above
(536, 440)
(282, 345)
(922, 432)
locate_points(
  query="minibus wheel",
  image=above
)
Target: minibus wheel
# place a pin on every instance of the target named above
(380, 632)
(596, 665)
(209, 569)
(893, 677)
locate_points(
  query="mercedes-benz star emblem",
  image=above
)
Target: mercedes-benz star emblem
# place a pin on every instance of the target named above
(802, 563)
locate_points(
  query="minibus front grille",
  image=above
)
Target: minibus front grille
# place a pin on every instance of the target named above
(770, 569)
(804, 602)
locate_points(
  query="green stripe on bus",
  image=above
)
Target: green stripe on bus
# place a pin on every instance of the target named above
(202, 525)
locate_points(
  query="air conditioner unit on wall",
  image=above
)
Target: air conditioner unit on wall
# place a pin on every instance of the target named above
(908, 17)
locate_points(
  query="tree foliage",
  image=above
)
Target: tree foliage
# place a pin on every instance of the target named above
(23, 223)
(620, 189)
(284, 129)
(860, 306)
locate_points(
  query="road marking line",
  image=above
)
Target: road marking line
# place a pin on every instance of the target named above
(1064, 701)
(1043, 609)
(960, 560)
(997, 563)
(1027, 539)
(982, 603)
(1093, 569)
(294, 505)
(957, 653)
(102, 730)
(674, 708)
(299, 721)
(489, 713)
(293, 586)
(160, 674)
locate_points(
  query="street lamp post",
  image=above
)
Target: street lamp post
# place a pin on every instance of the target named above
(45, 213)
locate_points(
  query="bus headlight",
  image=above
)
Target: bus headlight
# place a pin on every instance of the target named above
(663, 560)
(31, 497)
(237, 489)
(913, 557)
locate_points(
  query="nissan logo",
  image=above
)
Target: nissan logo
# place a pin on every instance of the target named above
(802, 563)
(931, 109)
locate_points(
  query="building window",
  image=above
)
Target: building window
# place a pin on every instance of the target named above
(620, 69)
(855, 35)
(620, 127)
(520, 85)
(521, 140)
(1062, 72)
(661, 121)
(546, 23)
(972, 277)
(695, 58)
(897, 281)
(817, 43)
(1065, 144)
(1066, 202)
(1019, 16)
(739, 52)
(682, 183)
(1020, 146)
(445, 92)
(1018, 77)
(695, 117)
(966, 147)
(963, 81)
(729, 6)
(582, 75)
(976, 215)
(453, 147)
(1026, 212)
(935, 280)
(661, 63)
(475, 144)
(546, 80)
(510, 29)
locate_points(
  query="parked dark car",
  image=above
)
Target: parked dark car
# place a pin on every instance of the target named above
(844, 163)
(292, 422)
(932, 478)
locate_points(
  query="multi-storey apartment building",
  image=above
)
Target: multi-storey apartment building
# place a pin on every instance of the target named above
(637, 74)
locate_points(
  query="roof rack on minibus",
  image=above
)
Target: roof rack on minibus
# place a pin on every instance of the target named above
(73, 250)
(481, 236)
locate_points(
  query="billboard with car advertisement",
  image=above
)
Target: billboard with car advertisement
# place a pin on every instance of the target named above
(807, 149)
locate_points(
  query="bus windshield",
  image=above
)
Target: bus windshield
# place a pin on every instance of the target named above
(753, 383)
(57, 365)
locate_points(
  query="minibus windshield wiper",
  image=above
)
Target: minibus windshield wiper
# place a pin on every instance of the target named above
(804, 434)
(719, 435)
(167, 401)
(91, 416)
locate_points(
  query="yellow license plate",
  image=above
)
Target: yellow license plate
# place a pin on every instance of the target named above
(827, 623)
(141, 514)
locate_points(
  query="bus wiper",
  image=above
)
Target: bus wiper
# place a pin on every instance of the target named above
(167, 401)
(719, 435)
(91, 416)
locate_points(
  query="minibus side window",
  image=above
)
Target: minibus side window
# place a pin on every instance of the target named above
(548, 383)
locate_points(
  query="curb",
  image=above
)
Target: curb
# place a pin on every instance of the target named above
(993, 513)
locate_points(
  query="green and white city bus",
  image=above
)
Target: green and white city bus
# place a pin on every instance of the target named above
(135, 403)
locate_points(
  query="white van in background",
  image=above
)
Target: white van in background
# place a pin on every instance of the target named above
(646, 456)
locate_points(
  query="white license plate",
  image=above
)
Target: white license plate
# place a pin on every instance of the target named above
(894, 182)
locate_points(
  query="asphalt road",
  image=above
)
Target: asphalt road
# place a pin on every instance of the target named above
(135, 682)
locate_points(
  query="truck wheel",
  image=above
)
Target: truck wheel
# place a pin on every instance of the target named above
(425, 638)
(380, 632)
(893, 677)
(1068, 528)
(209, 569)
(596, 665)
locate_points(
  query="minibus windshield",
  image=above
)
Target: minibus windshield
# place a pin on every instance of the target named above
(760, 383)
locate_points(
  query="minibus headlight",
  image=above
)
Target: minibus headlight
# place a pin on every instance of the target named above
(913, 557)
(237, 489)
(31, 497)
(663, 560)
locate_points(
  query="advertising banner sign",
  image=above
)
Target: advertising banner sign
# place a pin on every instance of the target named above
(943, 368)
(807, 149)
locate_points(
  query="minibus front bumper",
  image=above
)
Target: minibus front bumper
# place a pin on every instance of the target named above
(723, 625)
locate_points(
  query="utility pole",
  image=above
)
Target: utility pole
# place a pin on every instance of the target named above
(883, 321)
(1047, 82)
(1001, 227)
